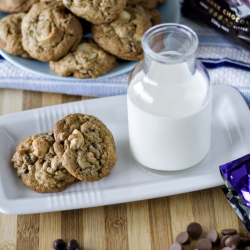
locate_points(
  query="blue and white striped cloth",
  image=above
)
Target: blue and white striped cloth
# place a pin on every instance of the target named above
(228, 64)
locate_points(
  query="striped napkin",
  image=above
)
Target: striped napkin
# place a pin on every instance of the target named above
(228, 64)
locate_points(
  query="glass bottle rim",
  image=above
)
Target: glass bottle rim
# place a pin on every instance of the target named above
(169, 27)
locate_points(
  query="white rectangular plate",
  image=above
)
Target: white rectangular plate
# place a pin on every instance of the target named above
(128, 181)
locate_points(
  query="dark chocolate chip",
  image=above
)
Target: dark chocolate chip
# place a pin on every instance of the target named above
(213, 236)
(232, 241)
(182, 238)
(194, 230)
(176, 246)
(58, 244)
(244, 242)
(229, 231)
(223, 240)
(73, 245)
(204, 244)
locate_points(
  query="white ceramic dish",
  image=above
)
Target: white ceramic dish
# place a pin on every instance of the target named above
(128, 181)
(170, 13)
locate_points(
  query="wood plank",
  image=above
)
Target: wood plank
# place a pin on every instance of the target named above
(11, 101)
(72, 225)
(138, 225)
(70, 98)
(49, 229)
(94, 228)
(160, 223)
(49, 99)
(32, 100)
(28, 231)
(181, 213)
(8, 231)
(116, 227)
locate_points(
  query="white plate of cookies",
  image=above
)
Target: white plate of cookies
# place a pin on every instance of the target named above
(84, 48)
(44, 186)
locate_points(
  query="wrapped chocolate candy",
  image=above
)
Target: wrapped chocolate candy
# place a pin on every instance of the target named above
(236, 175)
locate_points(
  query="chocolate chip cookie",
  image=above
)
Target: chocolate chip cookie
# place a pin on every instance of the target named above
(11, 35)
(50, 31)
(87, 61)
(122, 37)
(98, 11)
(13, 6)
(86, 146)
(39, 168)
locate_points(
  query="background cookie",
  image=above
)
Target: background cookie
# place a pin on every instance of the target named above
(12, 6)
(98, 11)
(88, 60)
(86, 146)
(122, 37)
(50, 31)
(11, 35)
(38, 166)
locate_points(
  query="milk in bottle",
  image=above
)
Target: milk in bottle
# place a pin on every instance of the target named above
(169, 102)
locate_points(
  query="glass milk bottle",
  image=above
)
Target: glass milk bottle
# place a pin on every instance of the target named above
(169, 102)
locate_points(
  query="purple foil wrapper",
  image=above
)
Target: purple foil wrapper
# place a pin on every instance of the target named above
(236, 175)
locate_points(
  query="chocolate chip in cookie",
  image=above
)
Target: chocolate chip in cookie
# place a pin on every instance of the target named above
(86, 146)
(50, 31)
(87, 61)
(122, 37)
(39, 168)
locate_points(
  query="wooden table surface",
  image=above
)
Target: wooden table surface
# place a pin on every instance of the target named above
(142, 225)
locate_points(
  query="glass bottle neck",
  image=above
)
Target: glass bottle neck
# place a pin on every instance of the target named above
(169, 44)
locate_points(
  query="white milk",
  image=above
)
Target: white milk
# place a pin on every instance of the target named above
(170, 133)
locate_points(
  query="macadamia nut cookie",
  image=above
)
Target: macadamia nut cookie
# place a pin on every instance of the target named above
(87, 61)
(11, 35)
(39, 168)
(13, 6)
(122, 37)
(96, 11)
(50, 31)
(86, 146)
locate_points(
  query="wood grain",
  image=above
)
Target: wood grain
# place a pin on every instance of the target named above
(149, 224)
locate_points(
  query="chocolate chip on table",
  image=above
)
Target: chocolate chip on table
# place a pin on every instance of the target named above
(226, 248)
(229, 231)
(73, 245)
(204, 244)
(213, 236)
(59, 244)
(223, 239)
(194, 230)
(182, 238)
(245, 242)
(232, 241)
(176, 246)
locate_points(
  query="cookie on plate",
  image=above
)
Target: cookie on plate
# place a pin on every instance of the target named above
(11, 35)
(86, 146)
(87, 61)
(13, 6)
(50, 31)
(122, 37)
(39, 168)
(98, 11)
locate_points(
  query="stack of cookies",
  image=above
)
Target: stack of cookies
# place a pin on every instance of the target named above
(80, 147)
(53, 31)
